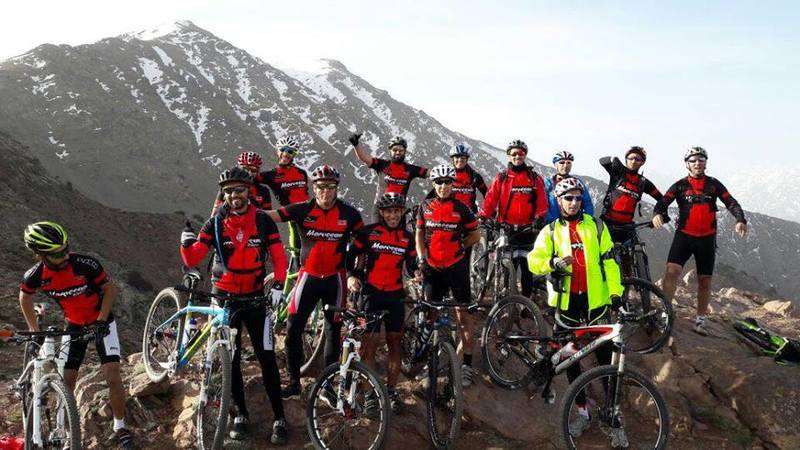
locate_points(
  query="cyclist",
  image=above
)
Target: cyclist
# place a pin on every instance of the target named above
(397, 173)
(468, 181)
(326, 226)
(445, 229)
(578, 244)
(259, 193)
(382, 249)
(517, 198)
(86, 295)
(287, 181)
(562, 161)
(696, 229)
(243, 238)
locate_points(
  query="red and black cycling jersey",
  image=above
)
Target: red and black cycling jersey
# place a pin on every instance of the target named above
(577, 284)
(324, 233)
(445, 223)
(397, 176)
(697, 205)
(259, 197)
(625, 190)
(466, 186)
(241, 243)
(384, 251)
(289, 183)
(77, 288)
(516, 197)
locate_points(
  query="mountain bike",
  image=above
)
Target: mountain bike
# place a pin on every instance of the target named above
(314, 333)
(49, 411)
(171, 340)
(492, 270)
(519, 351)
(349, 406)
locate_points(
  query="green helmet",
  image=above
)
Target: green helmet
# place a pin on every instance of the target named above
(45, 237)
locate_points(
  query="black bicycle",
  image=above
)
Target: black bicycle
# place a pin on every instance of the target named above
(492, 273)
(626, 407)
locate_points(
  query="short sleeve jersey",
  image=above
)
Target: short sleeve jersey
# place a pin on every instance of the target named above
(385, 250)
(397, 176)
(445, 223)
(77, 288)
(324, 234)
(289, 183)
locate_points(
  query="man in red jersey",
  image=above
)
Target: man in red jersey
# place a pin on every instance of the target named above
(243, 237)
(287, 181)
(382, 249)
(396, 172)
(326, 227)
(696, 229)
(517, 198)
(445, 229)
(86, 295)
(259, 193)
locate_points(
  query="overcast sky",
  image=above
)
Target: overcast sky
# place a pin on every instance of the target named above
(593, 77)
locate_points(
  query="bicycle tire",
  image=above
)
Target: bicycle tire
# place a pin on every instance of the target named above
(664, 321)
(448, 438)
(509, 305)
(66, 400)
(590, 376)
(640, 261)
(155, 368)
(410, 364)
(478, 267)
(221, 426)
(330, 374)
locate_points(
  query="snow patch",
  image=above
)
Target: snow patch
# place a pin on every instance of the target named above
(151, 70)
(158, 31)
(163, 55)
(318, 83)
(63, 154)
(74, 110)
(103, 85)
(327, 131)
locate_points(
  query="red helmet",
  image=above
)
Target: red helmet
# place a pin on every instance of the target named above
(324, 173)
(249, 159)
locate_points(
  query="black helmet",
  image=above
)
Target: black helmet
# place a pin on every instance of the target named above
(695, 151)
(235, 174)
(459, 150)
(45, 237)
(517, 143)
(397, 140)
(391, 200)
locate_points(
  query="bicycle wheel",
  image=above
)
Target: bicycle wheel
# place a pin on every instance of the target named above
(510, 360)
(412, 357)
(313, 340)
(159, 348)
(445, 401)
(362, 423)
(211, 417)
(625, 411)
(642, 297)
(478, 263)
(59, 424)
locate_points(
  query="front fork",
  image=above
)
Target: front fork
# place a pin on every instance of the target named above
(347, 389)
(216, 339)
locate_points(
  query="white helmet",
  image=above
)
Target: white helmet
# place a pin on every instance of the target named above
(289, 143)
(563, 155)
(442, 171)
(695, 151)
(566, 185)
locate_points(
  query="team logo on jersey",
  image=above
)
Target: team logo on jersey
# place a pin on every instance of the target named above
(324, 235)
(463, 189)
(436, 225)
(254, 242)
(577, 246)
(88, 261)
(386, 248)
(629, 192)
(391, 179)
(309, 219)
(66, 293)
(522, 190)
(293, 184)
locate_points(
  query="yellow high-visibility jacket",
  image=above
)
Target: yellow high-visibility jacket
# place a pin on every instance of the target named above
(553, 241)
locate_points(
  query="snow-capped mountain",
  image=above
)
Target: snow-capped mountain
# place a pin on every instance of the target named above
(145, 121)
(774, 191)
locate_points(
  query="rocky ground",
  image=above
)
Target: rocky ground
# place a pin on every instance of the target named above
(720, 392)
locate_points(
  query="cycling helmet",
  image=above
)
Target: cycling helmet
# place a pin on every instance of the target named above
(397, 140)
(324, 173)
(391, 200)
(638, 150)
(516, 143)
(460, 150)
(566, 185)
(235, 174)
(695, 151)
(442, 171)
(563, 155)
(45, 237)
(249, 159)
(288, 144)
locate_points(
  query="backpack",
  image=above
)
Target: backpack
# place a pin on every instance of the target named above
(614, 183)
(784, 350)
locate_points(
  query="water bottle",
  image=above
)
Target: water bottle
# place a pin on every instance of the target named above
(564, 354)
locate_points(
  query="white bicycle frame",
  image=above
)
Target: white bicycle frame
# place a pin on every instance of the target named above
(350, 353)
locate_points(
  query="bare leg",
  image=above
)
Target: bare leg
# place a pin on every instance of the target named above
(393, 373)
(115, 388)
(703, 294)
(466, 322)
(671, 275)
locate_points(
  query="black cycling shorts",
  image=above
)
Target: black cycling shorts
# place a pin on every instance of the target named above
(703, 249)
(454, 278)
(391, 301)
(107, 347)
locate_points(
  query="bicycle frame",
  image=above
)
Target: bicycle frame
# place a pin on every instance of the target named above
(499, 253)
(187, 349)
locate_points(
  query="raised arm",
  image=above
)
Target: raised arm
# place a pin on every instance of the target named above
(361, 150)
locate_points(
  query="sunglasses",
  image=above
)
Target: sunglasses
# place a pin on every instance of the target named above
(696, 160)
(635, 158)
(289, 150)
(572, 198)
(234, 190)
(57, 255)
(516, 154)
(442, 181)
(326, 186)
(461, 157)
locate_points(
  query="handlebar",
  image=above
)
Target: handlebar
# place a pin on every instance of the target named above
(472, 307)
(351, 314)
(632, 226)
(21, 337)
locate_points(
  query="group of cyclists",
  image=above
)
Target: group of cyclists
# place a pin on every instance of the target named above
(341, 255)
